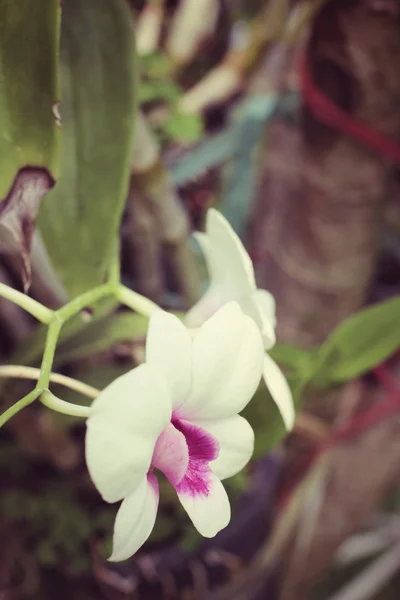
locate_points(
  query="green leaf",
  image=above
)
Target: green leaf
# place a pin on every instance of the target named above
(211, 153)
(29, 141)
(102, 335)
(157, 66)
(30, 351)
(362, 341)
(266, 421)
(298, 360)
(79, 220)
(166, 91)
(184, 128)
(94, 337)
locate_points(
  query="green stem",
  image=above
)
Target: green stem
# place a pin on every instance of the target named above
(22, 372)
(37, 310)
(15, 408)
(66, 408)
(48, 355)
(75, 306)
(55, 320)
(135, 301)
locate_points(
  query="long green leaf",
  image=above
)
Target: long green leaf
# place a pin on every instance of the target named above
(102, 335)
(29, 140)
(361, 342)
(296, 359)
(266, 421)
(79, 338)
(80, 219)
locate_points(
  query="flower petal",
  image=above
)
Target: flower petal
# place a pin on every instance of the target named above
(267, 305)
(229, 266)
(236, 444)
(229, 260)
(280, 391)
(209, 513)
(205, 245)
(253, 309)
(208, 305)
(227, 365)
(171, 454)
(168, 348)
(125, 422)
(135, 519)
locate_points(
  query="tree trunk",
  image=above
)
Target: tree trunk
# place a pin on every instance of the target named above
(317, 222)
(316, 232)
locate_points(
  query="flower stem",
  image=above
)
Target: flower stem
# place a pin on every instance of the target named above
(66, 408)
(55, 320)
(37, 310)
(48, 355)
(135, 301)
(77, 304)
(21, 372)
(15, 408)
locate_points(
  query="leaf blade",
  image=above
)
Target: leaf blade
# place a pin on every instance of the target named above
(359, 343)
(80, 218)
(29, 141)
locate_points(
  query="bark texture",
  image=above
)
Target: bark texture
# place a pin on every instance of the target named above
(316, 232)
(317, 222)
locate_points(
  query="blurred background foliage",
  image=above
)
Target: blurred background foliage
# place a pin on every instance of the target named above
(214, 106)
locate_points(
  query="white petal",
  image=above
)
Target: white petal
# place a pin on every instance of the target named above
(230, 262)
(208, 305)
(135, 519)
(169, 347)
(253, 309)
(236, 444)
(219, 291)
(227, 365)
(116, 461)
(210, 513)
(125, 422)
(205, 245)
(229, 266)
(280, 391)
(267, 305)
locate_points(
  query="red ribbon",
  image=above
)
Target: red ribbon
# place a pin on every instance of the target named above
(330, 114)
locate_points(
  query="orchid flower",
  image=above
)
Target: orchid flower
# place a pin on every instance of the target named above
(178, 414)
(232, 278)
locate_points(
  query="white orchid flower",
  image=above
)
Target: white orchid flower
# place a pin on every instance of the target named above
(232, 278)
(178, 414)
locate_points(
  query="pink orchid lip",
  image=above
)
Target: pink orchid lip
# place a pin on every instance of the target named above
(183, 452)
